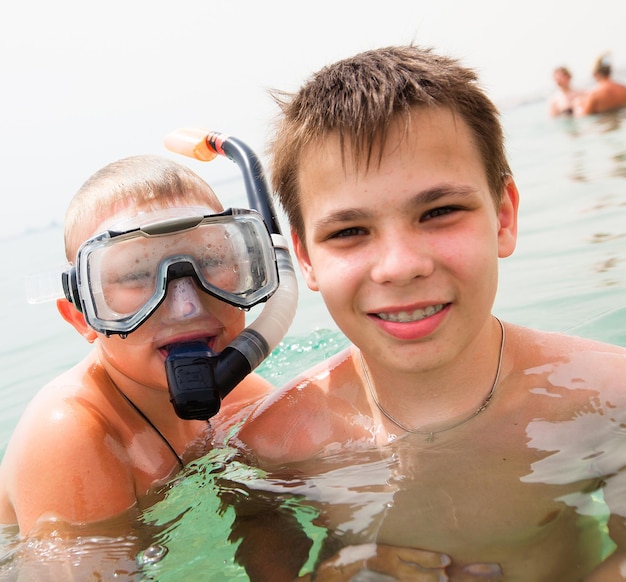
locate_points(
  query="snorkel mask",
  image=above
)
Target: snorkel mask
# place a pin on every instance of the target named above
(238, 256)
(121, 276)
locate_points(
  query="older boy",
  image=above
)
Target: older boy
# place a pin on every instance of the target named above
(492, 443)
(96, 440)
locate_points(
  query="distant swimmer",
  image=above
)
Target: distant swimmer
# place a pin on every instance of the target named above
(563, 100)
(607, 95)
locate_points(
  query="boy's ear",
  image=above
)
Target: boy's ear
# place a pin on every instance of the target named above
(76, 319)
(303, 260)
(507, 218)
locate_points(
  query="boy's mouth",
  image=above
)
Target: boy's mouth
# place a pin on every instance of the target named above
(410, 316)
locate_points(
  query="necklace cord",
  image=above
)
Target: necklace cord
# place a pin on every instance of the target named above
(154, 427)
(431, 433)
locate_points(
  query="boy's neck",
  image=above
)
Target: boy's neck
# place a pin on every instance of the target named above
(438, 400)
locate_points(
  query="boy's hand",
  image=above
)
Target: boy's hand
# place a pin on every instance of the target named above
(400, 564)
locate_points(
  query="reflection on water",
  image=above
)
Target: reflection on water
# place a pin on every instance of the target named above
(116, 549)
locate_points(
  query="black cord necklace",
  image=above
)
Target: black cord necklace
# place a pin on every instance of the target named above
(137, 409)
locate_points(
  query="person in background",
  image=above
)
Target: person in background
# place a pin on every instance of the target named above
(606, 95)
(502, 445)
(563, 100)
(97, 440)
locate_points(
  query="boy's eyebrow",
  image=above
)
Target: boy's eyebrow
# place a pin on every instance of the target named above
(436, 192)
(348, 215)
(428, 196)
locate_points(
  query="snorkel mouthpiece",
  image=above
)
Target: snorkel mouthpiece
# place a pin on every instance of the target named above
(198, 378)
(191, 381)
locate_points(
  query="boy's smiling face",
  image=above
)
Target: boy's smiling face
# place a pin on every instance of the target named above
(405, 253)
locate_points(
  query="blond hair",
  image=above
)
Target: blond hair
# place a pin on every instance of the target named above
(145, 183)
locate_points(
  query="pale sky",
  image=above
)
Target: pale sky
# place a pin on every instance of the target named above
(84, 84)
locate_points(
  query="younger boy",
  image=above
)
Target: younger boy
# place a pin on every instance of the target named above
(442, 428)
(96, 440)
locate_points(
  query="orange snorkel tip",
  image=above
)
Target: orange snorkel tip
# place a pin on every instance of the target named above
(190, 142)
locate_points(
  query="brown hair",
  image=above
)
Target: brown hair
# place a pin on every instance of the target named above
(564, 71)
(145, 182)
(602, 66)
(358, 98)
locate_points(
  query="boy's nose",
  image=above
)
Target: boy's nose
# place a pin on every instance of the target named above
(182, 300)
(401, 259)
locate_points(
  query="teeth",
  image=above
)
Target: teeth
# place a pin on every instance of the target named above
(407, 316)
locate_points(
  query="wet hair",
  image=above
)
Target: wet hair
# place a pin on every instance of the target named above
(602, 66)
(141, 183)
(359, 98)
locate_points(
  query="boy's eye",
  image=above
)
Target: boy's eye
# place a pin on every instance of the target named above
(439, 211)
(209, 263)
(134, 279)
(348, 232)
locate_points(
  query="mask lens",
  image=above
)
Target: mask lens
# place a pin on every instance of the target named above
(122, 278)
(219, 256)
(235, 260)
(229, 256)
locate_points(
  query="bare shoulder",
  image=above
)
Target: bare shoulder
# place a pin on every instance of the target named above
(61, 405)
(317, 405)
(550, 342)
(591, 361)
(323, 381)
(237, 405)
(252, 388)
(61, 425)
(60, 458)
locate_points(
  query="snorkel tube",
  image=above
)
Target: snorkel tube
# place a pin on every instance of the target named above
(198, 378)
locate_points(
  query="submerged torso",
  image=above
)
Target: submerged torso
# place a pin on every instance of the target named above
(521, 485)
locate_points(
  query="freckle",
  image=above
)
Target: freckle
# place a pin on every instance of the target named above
(549, 518)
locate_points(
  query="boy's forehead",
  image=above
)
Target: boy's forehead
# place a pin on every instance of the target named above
(130, 218)
(425, 128)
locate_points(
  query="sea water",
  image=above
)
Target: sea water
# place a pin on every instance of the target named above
(568, 273)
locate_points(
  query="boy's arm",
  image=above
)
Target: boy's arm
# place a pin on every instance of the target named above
(585, 104)
(293, 425)
(238, 405)
(251, 390)
(613, 568)
(314, 410)
(614, 491)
